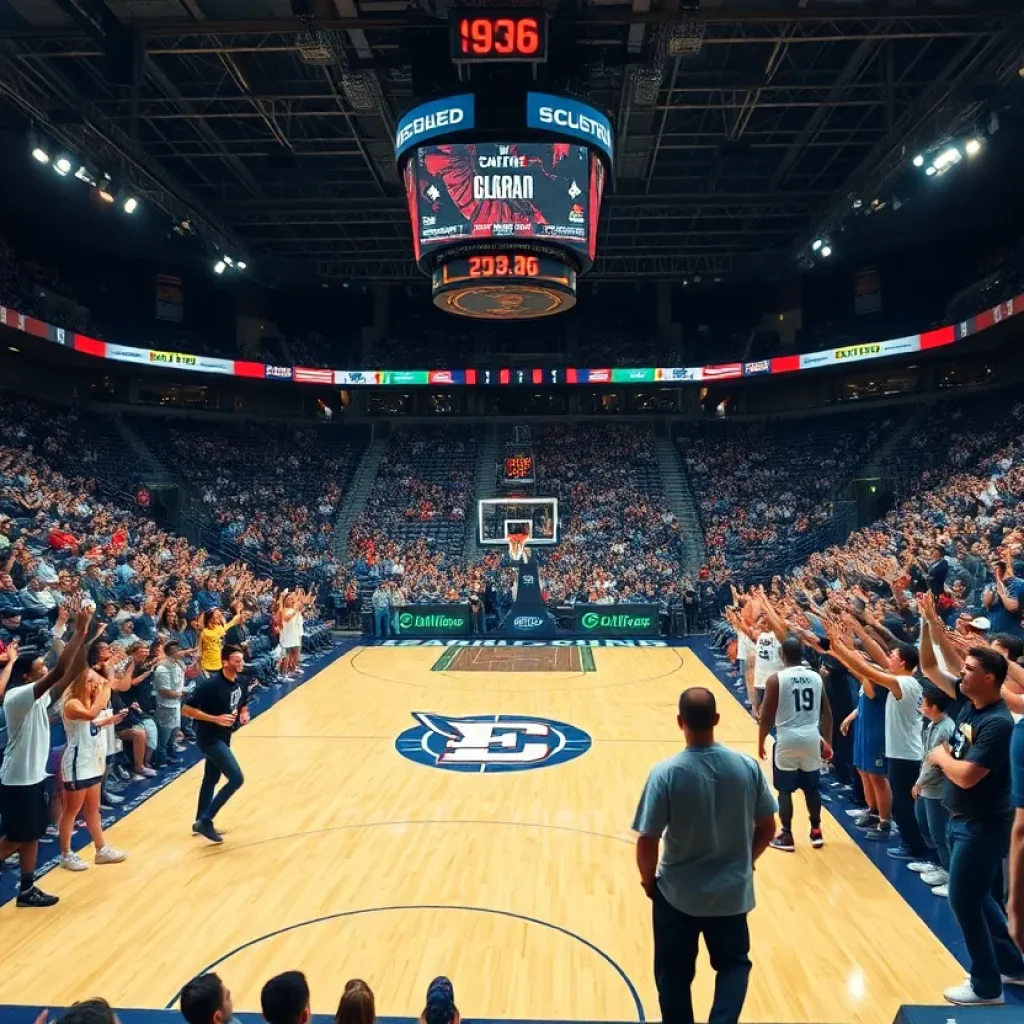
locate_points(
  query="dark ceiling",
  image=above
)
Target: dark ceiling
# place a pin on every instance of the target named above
(744, 129)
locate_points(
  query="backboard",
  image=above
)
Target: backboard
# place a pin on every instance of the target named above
(535, 517)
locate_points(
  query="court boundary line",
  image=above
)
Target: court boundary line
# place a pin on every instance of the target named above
(221, 851)
(191, 757)
(631, 988)
(474, 689)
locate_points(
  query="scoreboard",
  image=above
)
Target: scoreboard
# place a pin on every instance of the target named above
(503, 181)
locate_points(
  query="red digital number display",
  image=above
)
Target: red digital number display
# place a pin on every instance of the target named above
(503, 265)
(519, 467)
(494, 36)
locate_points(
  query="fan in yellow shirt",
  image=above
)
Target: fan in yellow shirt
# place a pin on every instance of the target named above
(211, 638)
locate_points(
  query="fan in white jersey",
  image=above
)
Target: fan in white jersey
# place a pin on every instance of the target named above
(766, 661)
(796, 706)
(82, 764)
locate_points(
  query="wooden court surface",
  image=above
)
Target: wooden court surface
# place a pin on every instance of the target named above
(343, 859)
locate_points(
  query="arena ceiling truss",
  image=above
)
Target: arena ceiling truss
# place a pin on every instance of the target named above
(743, 128)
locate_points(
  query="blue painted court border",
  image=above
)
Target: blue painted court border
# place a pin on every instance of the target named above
(137, 793)
(933, 910)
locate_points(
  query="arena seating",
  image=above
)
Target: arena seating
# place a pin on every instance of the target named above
(415, 517)
(266, 493)
(766, 492)
(619, 538)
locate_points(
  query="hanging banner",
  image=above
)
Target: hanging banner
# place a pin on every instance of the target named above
(170, 298)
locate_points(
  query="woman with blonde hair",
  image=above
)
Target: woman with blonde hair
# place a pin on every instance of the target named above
(357, 1004)
(83, 763)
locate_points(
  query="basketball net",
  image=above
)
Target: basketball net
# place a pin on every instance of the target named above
(517, 546)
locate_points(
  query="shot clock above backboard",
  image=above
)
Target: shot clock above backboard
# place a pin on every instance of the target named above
(498, 35)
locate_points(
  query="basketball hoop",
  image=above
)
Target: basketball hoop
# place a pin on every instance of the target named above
(517, 546)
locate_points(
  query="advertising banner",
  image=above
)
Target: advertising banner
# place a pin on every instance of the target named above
(725, 371)
(210, 364)
(313, 375)
(785, 364)
(617, 619)
(569, 117)
(350, 377)
(180, 359)
(406, 377)
(434, 620)
(809, 360)
(277, 372)
(851, 353)
(439, 117)
(758, 367)
(634, 375)
(127, 354)
(678, 373)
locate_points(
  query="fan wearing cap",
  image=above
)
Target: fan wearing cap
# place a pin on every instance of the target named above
(440, 1008)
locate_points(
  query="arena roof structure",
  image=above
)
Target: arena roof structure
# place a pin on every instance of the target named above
(744, 129)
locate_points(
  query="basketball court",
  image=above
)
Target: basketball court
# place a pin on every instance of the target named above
(409, 812)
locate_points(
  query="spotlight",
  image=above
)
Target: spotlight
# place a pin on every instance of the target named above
(930, 171)
(973, 147)
(41, 155)
(858, 203)
(84, 174)
(919, 160)
(826, 251)
(219, 266)
(228, 260)
(62, 165)
(241, 264)
(106, 190)
(816, 245)
(130, 205)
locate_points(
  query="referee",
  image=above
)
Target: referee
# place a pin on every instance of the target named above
(710, 812)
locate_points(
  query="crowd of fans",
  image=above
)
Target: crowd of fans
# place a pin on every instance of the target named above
(619, 540)
(926, 607)
(284, 999)
(766, 492)
(162, 608)
(413, 526)
(268, 494)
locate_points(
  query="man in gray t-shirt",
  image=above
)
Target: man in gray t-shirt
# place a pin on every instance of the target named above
(711, 813)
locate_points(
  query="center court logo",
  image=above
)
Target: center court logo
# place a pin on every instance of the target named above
(490, 743)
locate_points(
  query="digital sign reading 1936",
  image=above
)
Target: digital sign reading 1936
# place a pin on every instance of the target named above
(481, 35)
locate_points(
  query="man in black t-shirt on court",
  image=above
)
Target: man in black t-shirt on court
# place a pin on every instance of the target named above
(218, 705)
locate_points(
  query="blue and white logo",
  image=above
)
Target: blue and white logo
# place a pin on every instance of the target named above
(429, 120)
(569, 117)
(490, 743)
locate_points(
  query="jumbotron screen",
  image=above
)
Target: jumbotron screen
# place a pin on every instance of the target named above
(496, 191)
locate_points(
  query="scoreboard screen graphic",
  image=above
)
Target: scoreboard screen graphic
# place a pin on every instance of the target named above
(501, 191)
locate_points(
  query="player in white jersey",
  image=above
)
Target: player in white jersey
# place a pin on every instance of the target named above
(796, 706)
(82, 764)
